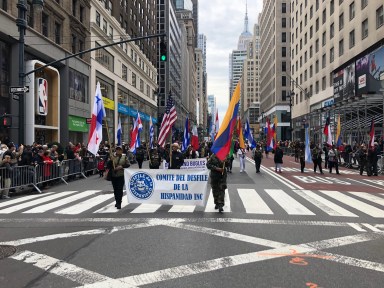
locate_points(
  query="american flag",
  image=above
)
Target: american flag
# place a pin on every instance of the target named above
(169, 118)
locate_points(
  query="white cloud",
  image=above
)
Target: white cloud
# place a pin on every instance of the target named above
(222, 21)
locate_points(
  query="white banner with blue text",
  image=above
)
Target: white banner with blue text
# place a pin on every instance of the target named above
(198, 163)
(168, 187)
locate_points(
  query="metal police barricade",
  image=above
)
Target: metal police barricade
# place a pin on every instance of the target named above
(17, 177)
(71, 168)
(89, 164)
(48, 173)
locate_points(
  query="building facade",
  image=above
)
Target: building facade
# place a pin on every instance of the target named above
(127, 77)
(275, 46)
(337, 61)
(61, 28)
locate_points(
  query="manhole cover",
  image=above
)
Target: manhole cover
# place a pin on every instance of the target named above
(6, 251)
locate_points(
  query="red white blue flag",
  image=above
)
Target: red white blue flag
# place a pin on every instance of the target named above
(135, 140)
(96, 129)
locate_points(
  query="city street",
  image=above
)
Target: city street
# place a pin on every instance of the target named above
(286, 229)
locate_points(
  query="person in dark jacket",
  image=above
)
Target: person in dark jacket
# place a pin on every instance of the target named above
(278, 158)
(257, 156)
(154, 159)
(6, 174)
(140, 154)
(177, 159)
(218, 177)
(316, 158)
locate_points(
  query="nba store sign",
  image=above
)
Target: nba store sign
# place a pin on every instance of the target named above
(42, 96)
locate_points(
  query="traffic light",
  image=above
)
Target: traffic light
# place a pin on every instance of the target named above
(163, 51)
(6, 120)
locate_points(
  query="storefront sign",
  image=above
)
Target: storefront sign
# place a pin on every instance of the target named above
(108, 103)
(344, 83)
(199, 163)
(42, 96)
(327, 103)
(123, 109)
(77, 124)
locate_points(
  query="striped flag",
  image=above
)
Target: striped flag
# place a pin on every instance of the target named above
(151, 132)
(135, 140)
(327, 131)
(186, 140)
(118, 132)
(169, 118)
(308, 157)
(372, 134)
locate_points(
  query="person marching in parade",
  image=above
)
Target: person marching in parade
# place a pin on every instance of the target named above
(257, 156)
(218, 177)
(176, 159)
(154, 159)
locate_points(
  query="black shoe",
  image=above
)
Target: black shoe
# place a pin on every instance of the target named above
(118, 206)
(115, 205)
(216, 207)
(221, 208)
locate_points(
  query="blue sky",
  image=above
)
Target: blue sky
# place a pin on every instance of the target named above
(222, 22)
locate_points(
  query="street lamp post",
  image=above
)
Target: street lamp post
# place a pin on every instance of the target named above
(21, 22)
(290, 97)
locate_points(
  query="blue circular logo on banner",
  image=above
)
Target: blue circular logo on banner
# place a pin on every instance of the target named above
(141, 185)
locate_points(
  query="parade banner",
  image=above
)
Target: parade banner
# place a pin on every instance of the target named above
(168, 187)
(198, 163)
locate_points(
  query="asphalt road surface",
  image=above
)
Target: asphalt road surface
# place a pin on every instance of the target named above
(286, 229)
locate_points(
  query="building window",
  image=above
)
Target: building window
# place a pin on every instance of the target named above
(105, 58)
(283, 66)
(341, 21)
(317, 87)
(98, 18)
(317, 45)
(317, 24)
(311, 12)
(379, 17)
(105, 29)
(81, 48)
(310, 51)
(57, 33)
(364, 4)
(284, 52)
(74, 5)
(310, 32)
(331, 55)
(110, 32)
(284, 37)
(324, 83)
(124, 72)
(78, 86)
(74, 43)
(324, 38)
(311, 71)
(82, 14)
(44, 24)
(141, 85)
(284, 7)
(324, 61)
(332, 31)
(352, 11)
(30, 13)
(283, 81)
(332, 7)
(341, 47)
(317, 68)
(364, 29)
(284, 22)
(324, 15)
(133, 80)
(351, 38)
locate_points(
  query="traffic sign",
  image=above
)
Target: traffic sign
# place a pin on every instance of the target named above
(17, 89)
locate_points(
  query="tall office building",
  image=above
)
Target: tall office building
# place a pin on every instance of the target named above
(212, 105)
(250, 89)
(274, 24)
(337, 62)
(202, 81)
(202, 45)
(237, 57)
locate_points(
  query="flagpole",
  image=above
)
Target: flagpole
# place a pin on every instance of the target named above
(170, 149)
(109, 141)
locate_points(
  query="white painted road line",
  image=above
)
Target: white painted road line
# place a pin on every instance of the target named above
(23, 199)
(253, 203)
(34, 202)
(182, 209)
(61, 202)
(146, 208)
(85, 205)
(358, 205)
(60, 268)
(290, 205)
(230, 235)
(111, 208)
(374, 229)
(327, 206)
(370, 197)
(210, 207)
(357, 227)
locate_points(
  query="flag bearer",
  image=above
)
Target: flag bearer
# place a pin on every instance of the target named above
(257, 156)
(218, 177)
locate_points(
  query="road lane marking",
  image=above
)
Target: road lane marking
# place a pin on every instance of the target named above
(23, 199)
(369, 197)
(358, 205)
(85, 205)
(146, 208)
(59, 267)
(374, 229)
(290, 205)
(182, 209)
(280, 178)
(241, 259)
(61, 202)
(229, 235)
(350, 179)
(111, 208)
(253, 203)
(34, 202)
(327, 206)
(357, 227)
(210, 206)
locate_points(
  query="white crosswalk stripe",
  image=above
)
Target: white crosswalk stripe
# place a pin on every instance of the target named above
(250, 201)
(61, 202)
(324, 204)
(34, 202)
(290, 205)
(85, 205)
(358, 205)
